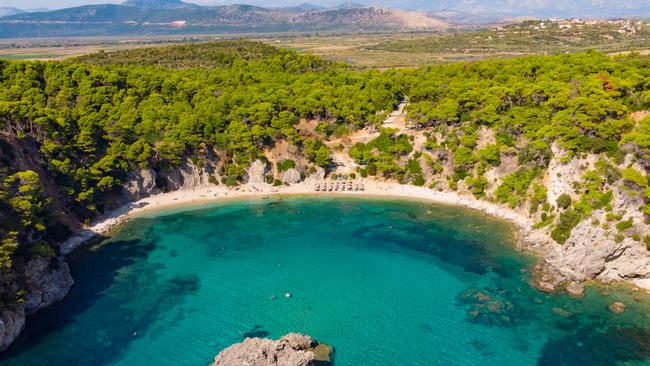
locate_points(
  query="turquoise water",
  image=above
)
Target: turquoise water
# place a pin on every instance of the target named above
(383, 282)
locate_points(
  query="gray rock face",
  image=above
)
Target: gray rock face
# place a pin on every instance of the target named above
(291, 176)
(46, 283)
(316, 177)
(291, 350)
(189, 175)
(592, 251)
(12, 323)
(140, 184)
(256, 172)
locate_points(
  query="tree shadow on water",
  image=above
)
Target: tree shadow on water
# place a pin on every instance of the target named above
(595, 347)
(118, 296)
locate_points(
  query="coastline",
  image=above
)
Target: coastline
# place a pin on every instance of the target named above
(204, 195)
(212, 194)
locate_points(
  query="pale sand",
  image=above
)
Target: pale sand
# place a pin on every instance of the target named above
(205, 195)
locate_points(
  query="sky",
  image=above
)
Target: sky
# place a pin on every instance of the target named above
(58, 4)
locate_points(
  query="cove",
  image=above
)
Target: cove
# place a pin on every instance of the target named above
(385, 282)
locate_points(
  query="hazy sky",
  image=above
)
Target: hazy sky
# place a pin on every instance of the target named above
(57, 4)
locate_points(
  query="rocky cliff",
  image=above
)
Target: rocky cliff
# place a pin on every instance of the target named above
(596, 248)
(45, 281)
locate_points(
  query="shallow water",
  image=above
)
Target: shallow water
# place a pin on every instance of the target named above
(384, 282)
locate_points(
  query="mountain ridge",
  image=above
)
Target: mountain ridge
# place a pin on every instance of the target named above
(174, 16)
(160, 4)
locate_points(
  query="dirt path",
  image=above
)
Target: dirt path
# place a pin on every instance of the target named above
(397, 119)
(345, 164)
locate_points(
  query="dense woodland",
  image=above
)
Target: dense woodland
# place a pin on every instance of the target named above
(93, 120)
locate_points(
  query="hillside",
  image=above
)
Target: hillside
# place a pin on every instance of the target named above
(559, 141)
(156, 17)
(531, 37)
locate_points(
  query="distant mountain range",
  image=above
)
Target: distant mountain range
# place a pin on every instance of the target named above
(175, 16)
(160, 4)
(150, 17)
(495, 9)
(7, 11)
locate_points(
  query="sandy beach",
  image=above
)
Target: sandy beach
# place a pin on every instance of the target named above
(210, 194)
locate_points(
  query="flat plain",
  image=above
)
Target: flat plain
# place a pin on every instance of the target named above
(387, 50)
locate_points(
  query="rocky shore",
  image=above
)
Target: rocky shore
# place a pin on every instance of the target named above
(291, 350)
(591, 252)
(46, 283)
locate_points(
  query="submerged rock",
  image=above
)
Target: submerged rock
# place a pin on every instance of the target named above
(575, 289)
(291, 350)
(323, 353)
(617, 307)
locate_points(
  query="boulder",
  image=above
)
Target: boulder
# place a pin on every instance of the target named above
(256, 172)
(575, 289)
(291, 350)
(291, 176)
(189, 175)
(617, 307)
(140, 184)
(317, 176)
(46, 282)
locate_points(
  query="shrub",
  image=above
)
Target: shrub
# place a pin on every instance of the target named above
(634, 179)
(624, 225)
(286, 165)
(564, 201)
(230, 181)
(568, 220)
(647, 241)
(418, 181)
(277, 183)
(42, 250)
(477, 185)
(489, 154)
(546, 220)
(514, 186)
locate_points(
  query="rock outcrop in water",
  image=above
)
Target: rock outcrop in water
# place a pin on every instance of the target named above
(291, 350)
(12, 323)
(46, 282)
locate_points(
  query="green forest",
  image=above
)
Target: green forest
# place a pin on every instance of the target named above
(90, 121)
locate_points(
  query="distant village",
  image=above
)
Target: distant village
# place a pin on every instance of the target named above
(625, 26)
